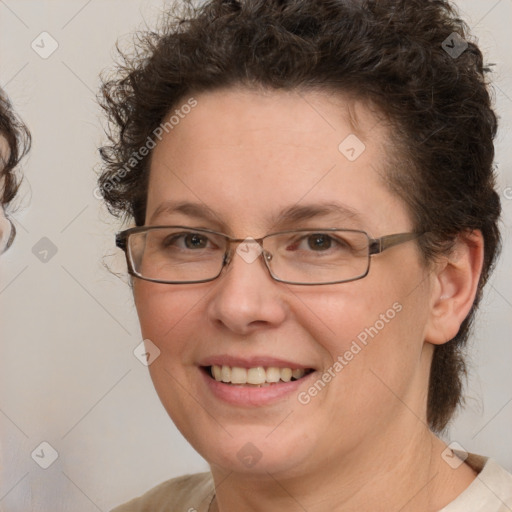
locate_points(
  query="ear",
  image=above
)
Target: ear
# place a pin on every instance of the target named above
(455, 283)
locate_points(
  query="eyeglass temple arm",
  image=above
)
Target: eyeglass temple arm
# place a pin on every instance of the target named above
(121, 241)
(377, 245)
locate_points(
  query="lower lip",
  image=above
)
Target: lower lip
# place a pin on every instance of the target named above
(252, 396)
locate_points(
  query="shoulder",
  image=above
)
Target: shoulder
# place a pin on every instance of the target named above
(490, 491)
(190, 493)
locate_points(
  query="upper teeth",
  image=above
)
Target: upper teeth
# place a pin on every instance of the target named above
(258, 375)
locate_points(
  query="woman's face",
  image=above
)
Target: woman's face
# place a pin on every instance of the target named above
(242, 163)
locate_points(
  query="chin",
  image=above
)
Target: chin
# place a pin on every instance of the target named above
(252, 451)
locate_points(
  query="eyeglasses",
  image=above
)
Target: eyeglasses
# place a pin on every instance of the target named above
(179, 254)
(7, 233)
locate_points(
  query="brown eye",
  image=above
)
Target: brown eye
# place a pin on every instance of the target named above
(195, 241)
(319, 242)
(186, 241)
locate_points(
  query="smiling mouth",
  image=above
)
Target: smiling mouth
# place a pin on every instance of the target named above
(258, 376)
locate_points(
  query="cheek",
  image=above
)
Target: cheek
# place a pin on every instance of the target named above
(371, 333)
(167, 317)
(357, 312)
(161, 308)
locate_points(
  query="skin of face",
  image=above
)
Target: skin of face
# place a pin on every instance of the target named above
(244, 157)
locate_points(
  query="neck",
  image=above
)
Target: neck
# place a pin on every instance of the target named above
(395, 475)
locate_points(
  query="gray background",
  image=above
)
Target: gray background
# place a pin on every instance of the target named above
(68, 327)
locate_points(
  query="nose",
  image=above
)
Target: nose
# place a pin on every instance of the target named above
(246, 298)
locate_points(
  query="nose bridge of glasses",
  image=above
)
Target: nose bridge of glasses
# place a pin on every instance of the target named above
(249, 249)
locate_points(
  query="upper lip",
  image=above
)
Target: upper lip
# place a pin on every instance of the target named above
(251, 362)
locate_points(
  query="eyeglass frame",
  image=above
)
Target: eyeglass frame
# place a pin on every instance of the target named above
(12, 236)
(375, 246)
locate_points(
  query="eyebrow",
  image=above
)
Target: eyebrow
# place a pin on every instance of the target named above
(196, 210)
(287, 216)
(298, 213)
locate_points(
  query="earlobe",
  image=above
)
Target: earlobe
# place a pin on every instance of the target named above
(455, 284)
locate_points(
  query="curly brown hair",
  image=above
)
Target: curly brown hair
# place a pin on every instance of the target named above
(18, 141)
(392, 53)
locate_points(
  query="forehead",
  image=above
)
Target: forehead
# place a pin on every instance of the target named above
(239, 116)
(258, 152)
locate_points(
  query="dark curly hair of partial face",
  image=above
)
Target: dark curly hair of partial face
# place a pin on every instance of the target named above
(412, 59)
(17, 138)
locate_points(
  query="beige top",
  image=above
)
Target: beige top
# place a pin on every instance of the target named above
(190, 493)
(491, 491)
